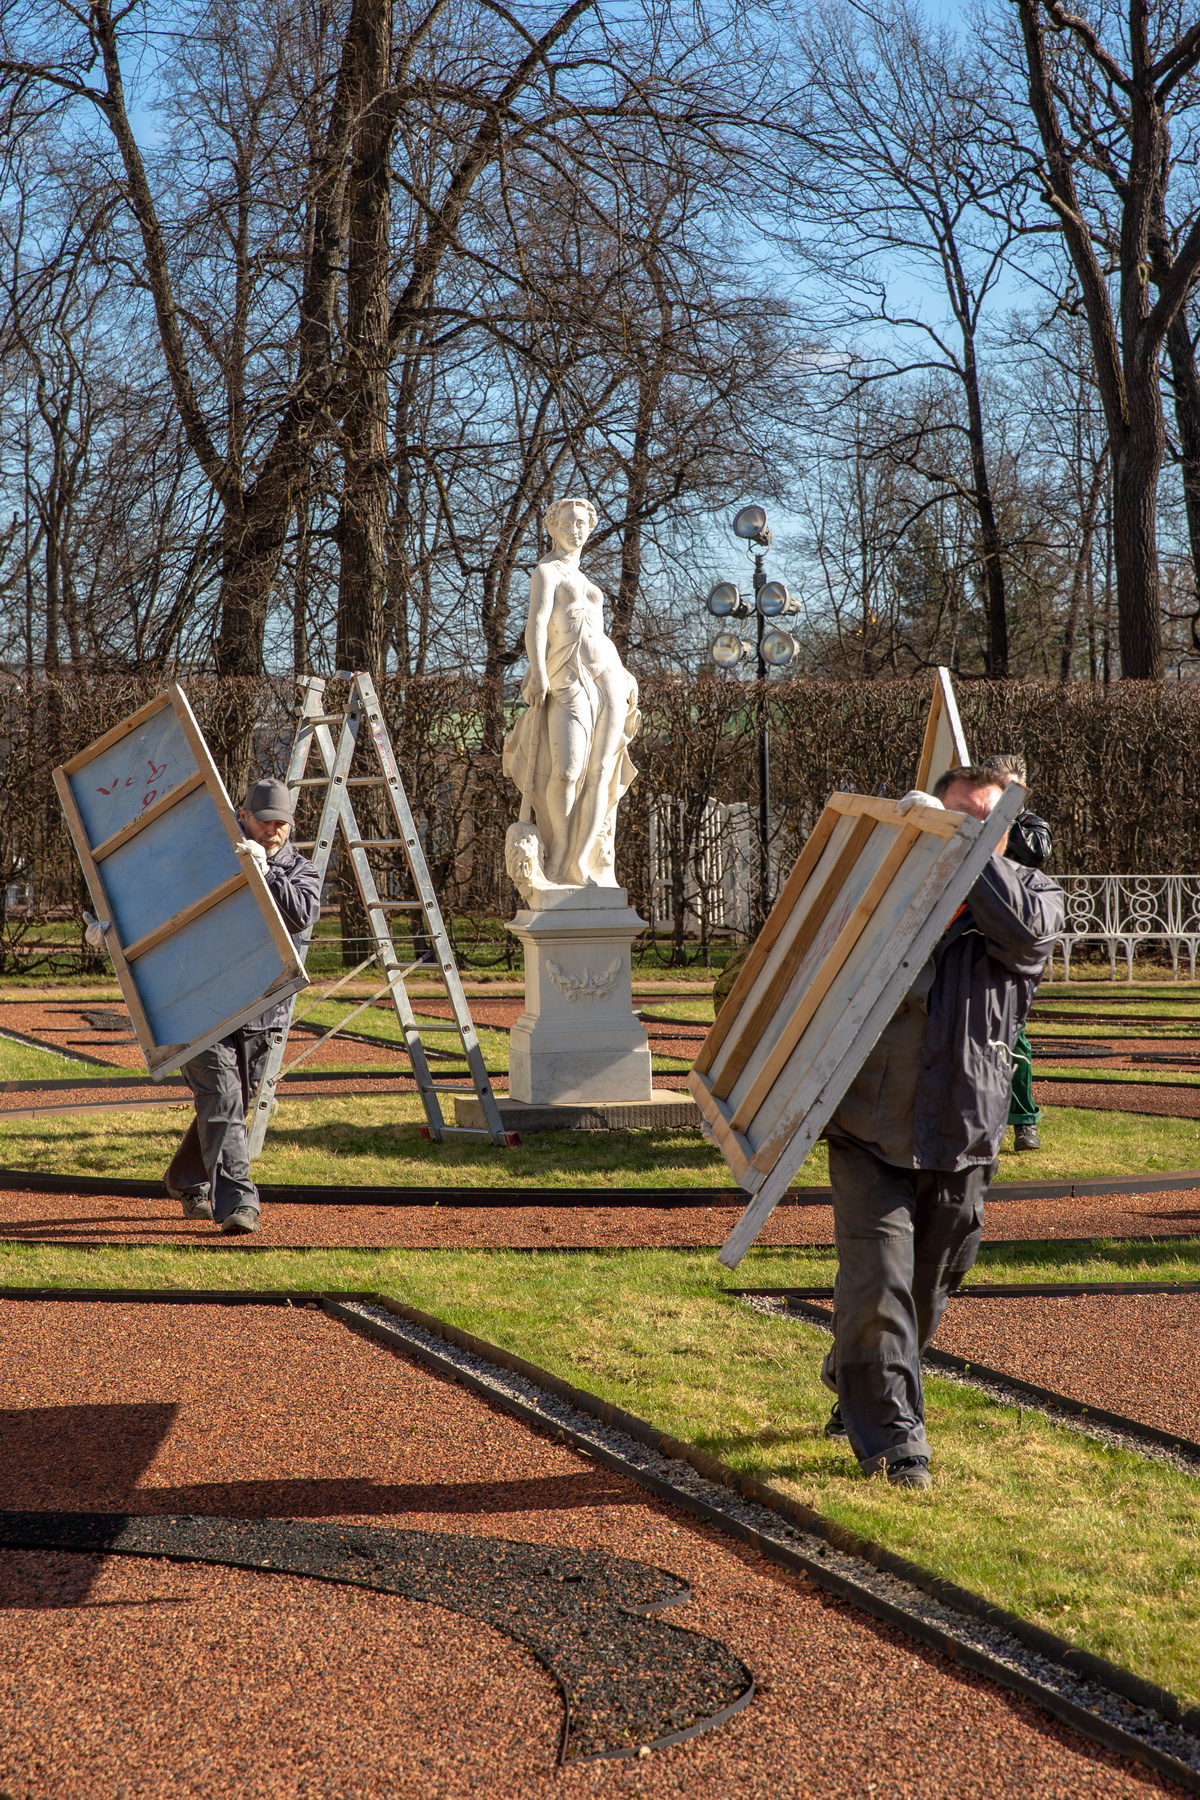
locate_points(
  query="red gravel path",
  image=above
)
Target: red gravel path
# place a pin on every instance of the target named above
(1137, 1354)
(125, 1680)
(1163, 1100)
(87, 1219)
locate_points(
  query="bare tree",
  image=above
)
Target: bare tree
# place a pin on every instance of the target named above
(1104, 90)
(903, 177)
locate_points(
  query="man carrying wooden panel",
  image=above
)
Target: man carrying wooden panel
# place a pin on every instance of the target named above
(913, 1146)
(210, 1171)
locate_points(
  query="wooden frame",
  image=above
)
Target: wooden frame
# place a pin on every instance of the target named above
(944, 747)
(870, 895)
(196, 938)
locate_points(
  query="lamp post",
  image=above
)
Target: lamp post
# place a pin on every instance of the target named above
(773, 648)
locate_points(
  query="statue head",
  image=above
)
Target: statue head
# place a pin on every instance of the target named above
(570, 521)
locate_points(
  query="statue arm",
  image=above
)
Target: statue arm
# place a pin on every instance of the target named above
(541, 605)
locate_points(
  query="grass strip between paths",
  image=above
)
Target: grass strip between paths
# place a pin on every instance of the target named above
(1096, 1544)
(374, 1141)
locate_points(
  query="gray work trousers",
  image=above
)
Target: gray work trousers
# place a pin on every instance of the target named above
(905, 1238)
(214, 1157)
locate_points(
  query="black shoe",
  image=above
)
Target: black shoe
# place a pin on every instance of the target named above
(195, 1206)
(910, 1471)
(244, 1220)
(1025, 1137)
(835, 1425)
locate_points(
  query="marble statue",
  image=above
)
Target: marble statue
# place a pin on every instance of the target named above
(569, 753)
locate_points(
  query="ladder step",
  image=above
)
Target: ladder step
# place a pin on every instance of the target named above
(374, 843)
(393, 905)
(312, 781)
(322, 718)
(447, 1087)
(366, 781)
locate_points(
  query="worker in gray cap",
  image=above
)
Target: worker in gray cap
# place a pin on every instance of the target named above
(210, 1171)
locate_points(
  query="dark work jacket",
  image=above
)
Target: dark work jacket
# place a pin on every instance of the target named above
(988, 965)
(296, 889)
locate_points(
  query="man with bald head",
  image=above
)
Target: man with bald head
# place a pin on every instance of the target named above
(914, 1141)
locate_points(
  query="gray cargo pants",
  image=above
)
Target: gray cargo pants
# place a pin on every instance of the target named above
(214, 1157)
(905, 1238)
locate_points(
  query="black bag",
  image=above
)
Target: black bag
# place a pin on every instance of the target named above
(1029, 841)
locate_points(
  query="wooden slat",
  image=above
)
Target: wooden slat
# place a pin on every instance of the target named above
(185, 915)
(934, 819)
(750, 1035)
(84, 757)
(764, 943)
(943, 719)
(152, 812)
(732, 1145)
(798, 1024)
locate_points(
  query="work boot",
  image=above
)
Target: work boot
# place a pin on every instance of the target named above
(1025, 1137)
(196, 1205)
(244, 1220)
(910, 1471)
(835, 1425)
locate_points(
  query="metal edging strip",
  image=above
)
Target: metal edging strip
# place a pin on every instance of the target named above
(1108, 1675)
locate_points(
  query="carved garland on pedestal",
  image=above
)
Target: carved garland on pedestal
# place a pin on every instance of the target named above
(588, 986)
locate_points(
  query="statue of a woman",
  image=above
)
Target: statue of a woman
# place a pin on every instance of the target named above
(568, 754)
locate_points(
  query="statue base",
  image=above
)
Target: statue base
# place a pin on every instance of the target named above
(578, 1039)
(664, 1111)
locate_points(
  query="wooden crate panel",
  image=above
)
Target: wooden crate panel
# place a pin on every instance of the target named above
(865, 906)
(875, 955)
(196, 939)
(211, 969)
(131, 774)
(178, 857)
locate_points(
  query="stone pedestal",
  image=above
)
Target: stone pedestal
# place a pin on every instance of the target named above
(578, 1039)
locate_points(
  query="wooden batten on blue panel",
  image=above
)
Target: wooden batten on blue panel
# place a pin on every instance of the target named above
(195, 937)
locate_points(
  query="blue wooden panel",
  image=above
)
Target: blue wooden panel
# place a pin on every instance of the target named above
(219, 964)
(176, 859)
(127, 778)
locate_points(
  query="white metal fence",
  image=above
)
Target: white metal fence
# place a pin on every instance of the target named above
(1122, 912)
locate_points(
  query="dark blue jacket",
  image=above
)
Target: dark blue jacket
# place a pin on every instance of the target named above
(296, 888)
(988, 965)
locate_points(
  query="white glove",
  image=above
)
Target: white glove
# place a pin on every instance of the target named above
(248, 847)
(94, 930)
(916, 797)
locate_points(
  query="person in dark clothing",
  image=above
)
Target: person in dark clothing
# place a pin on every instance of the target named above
(210, 1171)
(1029, 843)
(913, 1145)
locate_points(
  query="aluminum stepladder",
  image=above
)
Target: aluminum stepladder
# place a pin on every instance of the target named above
(336, 755)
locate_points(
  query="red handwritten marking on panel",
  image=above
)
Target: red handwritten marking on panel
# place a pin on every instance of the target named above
(157, 771)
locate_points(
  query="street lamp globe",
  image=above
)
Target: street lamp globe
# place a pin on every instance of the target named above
(728, 649)
(779, 647)
(751, 523)
(725, 601)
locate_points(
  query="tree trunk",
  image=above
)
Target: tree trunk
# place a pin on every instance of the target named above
(1185, 388)
(362, 519)
(1137, 462)
(990, 546)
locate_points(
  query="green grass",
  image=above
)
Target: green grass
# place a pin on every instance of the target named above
(22, 1062)
(1095, 1544)
(375, 1141)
